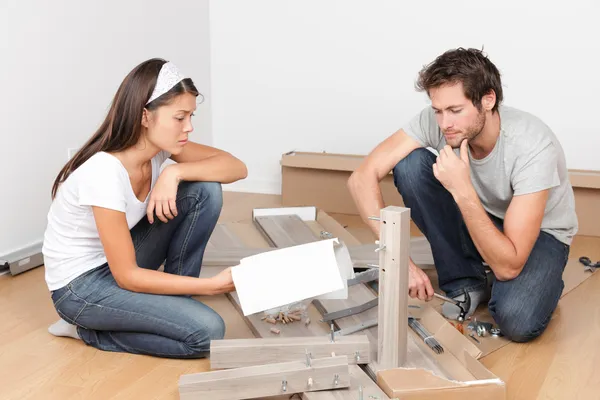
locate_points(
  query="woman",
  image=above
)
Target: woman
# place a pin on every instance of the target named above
(116, 218)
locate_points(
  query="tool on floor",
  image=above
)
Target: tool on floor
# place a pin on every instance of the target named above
(472, 336)
(588, 264)
(425, 335)
(483, 329)
(462, 305)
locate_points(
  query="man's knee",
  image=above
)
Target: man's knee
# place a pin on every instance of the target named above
(410, 172)
(517, 321)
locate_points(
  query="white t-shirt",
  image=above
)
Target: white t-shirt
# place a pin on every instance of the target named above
(71, 242)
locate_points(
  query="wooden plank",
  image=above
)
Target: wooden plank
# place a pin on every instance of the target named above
(266, 380)
(238, 353)
(285, 230)
(359, 381)
(350, 311)
(222, 237)
(420, 253)
(393, 287)
(228, 257)
(361, 255)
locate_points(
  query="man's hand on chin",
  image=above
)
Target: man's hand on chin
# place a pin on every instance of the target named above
(453, 172)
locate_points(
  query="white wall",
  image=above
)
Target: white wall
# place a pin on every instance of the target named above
(60, 63)
(337, 76)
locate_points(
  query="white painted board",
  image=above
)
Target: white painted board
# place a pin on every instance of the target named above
(288, 275)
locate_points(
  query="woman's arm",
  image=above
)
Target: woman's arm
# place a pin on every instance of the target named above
(120, 253)
(198, 162)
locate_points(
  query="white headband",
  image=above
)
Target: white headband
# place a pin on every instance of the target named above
(168, 77)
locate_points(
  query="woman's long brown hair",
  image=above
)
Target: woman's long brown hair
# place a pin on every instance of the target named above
(122, 126)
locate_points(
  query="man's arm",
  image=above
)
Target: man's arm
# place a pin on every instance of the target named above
(506, 253)
(364, 188)
(364, 181)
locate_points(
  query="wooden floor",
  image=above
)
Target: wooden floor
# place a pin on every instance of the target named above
(562, 364)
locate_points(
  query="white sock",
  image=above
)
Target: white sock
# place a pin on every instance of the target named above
(63, 328)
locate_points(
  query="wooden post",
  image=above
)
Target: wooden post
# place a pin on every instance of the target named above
(394, 245)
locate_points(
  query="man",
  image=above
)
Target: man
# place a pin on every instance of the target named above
(496, 197)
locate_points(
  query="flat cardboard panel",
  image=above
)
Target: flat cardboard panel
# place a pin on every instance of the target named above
(466, 377)
(587, 205)
(420, 385)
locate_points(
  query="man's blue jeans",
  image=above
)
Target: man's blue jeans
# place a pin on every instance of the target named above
(114, 319)
(522, 307)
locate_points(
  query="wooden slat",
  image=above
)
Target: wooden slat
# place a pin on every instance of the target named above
(266, 380)
(285, 230)
(393, 287)
(361, 255)
(222, 237)
(358, 380)
(236, 353)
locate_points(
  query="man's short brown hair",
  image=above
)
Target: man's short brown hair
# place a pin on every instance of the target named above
(470, 67)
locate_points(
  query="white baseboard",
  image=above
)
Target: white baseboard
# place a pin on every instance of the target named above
(254, 186)
(25, 258)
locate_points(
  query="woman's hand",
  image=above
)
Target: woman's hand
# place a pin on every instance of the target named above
(163, 197)
(222, 282)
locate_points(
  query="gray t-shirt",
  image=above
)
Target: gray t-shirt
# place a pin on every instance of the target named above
(526, 158)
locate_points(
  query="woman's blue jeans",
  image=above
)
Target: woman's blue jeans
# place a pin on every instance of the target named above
(114, 319)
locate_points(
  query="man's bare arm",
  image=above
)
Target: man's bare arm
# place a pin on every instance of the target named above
(506, 253)
(364, 182)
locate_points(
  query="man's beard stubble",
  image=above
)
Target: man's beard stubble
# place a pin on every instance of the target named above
(472, 131)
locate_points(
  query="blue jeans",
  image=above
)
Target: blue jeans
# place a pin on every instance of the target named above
(522, 307)
(114, 319)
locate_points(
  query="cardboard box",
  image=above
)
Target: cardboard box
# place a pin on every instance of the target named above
(466, 376)
(319, 179)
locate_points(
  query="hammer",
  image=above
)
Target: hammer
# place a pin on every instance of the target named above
(463, 309)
